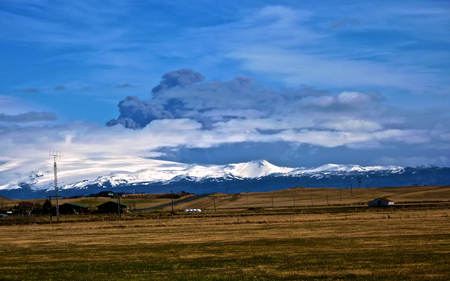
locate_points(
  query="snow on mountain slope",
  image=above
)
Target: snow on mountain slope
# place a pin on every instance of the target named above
(338, 169)
(79, 173)
(254, 169)
(76, 172)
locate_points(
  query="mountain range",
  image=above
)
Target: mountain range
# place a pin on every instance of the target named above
(26, 179)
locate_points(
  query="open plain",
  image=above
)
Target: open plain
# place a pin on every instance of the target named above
(410, 241)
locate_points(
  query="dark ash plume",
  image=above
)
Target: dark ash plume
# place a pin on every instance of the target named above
(182, 77)
(179, 95)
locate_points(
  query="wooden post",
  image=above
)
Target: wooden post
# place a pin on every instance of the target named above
(312, 203)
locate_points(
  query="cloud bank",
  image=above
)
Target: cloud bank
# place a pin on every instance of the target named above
(28, 117)
(189, 119)
(244, 103)
(242, 110)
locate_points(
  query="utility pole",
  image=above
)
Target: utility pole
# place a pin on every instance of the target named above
(56, 156)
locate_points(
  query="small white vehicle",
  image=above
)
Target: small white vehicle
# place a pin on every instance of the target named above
(193, 211)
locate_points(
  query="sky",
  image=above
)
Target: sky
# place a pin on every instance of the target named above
(296, 83)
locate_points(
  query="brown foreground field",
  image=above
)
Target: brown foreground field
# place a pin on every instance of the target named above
(411, 245)
(347, 241)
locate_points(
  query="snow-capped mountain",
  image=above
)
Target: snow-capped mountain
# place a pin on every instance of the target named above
(79, 173)
(21, 178)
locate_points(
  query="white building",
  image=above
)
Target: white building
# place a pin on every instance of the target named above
(381, 202)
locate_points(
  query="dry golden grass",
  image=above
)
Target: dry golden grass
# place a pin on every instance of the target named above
(412, 245)
(303, 197)
(190, 229)
(92, 202)
(307, 197)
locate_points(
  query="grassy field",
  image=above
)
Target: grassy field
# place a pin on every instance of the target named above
(288, 198)
(411, 245)
(301, 197)
(139, 201)
(347, 241)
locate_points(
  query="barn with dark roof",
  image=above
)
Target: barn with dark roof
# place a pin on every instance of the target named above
(111, 207)
(381, 202)
(72, 208)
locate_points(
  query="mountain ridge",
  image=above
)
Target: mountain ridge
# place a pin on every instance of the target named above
(150, 175)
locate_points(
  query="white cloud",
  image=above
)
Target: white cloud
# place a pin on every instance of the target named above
(353, 125)
(405, 136)
(215, 113)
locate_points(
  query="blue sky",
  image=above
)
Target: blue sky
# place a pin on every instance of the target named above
(298, 83)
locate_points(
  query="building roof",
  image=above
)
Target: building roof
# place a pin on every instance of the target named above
(77, 205)
(109, 202)
(25, 205)
(106, 193)
(384, 199)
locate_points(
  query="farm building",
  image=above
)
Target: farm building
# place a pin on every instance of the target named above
(72, 208)
(111, 207)
(24, 207)
(381, 202)
(106, 194)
